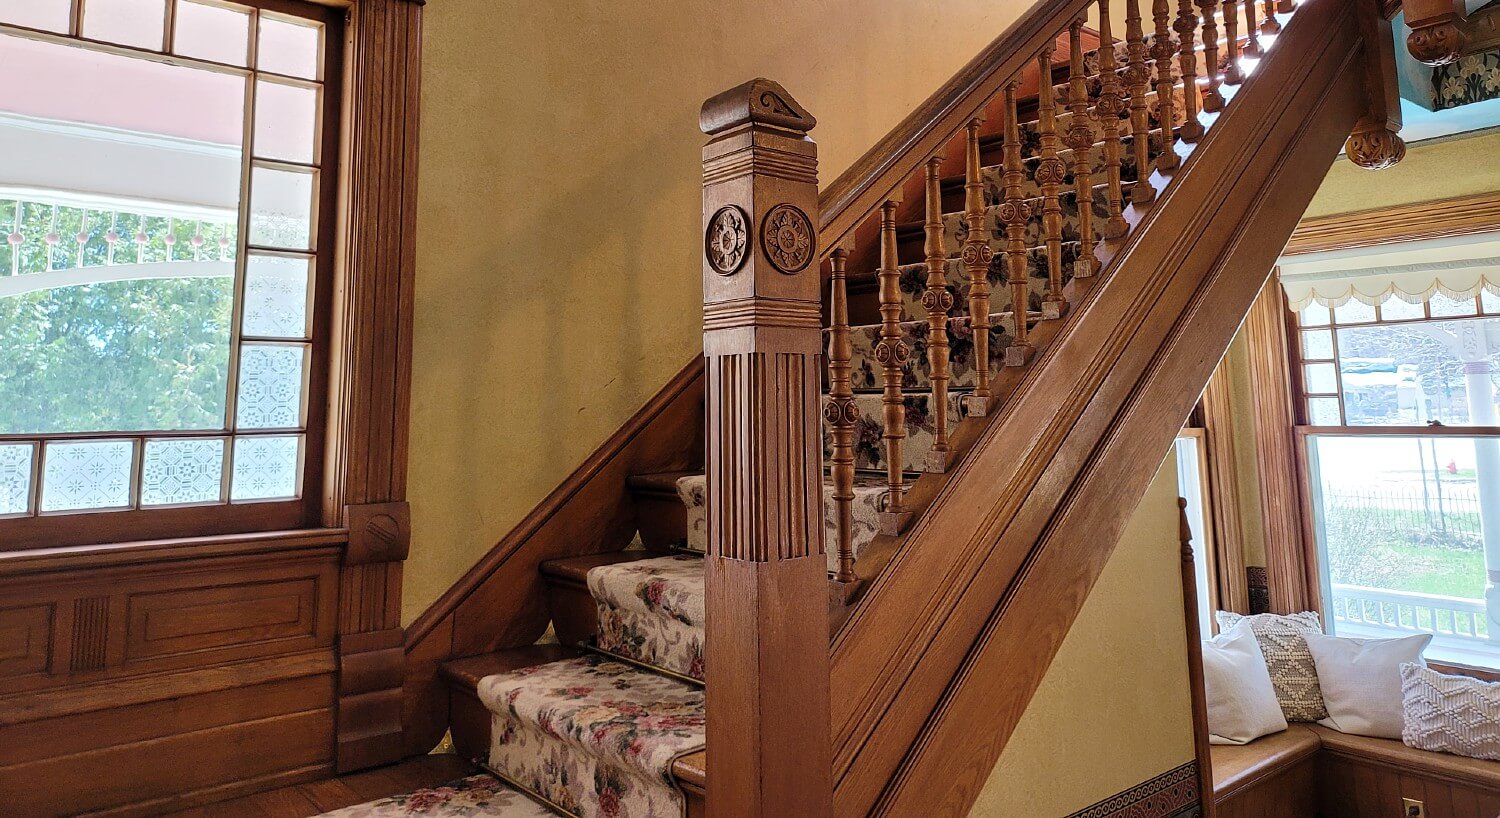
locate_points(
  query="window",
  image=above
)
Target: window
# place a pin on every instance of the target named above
(1192, 485)
(166, 208)
(1402, 445)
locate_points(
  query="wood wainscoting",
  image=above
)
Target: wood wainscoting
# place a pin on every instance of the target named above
(132, 681)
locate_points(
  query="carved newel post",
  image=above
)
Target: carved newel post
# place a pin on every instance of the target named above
(766, 651)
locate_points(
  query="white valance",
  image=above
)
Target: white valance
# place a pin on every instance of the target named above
(1413, 272)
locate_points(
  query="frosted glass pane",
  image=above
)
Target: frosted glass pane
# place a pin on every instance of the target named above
(141, 23)
(286, 122)
(1317, 343)
(174, 472)
(1444, 306)
(1394, 309)
(276, 296)
(1321, 378)
(47, 15)
(15, 477)
(270, 387)
(92, 474)
(212, 33)
(1313, 315)
(291, 48)
(281, 209)
(1489, 301)
(1354, 312)
(266, 468)
(1323, 411)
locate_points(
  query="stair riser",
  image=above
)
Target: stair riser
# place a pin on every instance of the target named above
(865, 370)
(869, 447)
(914, 282)
(869, 499)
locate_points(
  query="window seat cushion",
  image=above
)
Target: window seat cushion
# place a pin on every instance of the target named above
(1471, 772)
(1238, 767)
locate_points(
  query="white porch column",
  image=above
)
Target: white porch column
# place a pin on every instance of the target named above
(1473, 349)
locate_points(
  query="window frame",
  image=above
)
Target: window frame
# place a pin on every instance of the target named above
(53, 529)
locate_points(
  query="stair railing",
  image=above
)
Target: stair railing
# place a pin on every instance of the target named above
(768, 234)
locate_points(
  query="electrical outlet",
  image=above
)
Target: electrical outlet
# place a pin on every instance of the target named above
(1412, 808)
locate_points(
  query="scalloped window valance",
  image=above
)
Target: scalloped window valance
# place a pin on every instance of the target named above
(1412, 271)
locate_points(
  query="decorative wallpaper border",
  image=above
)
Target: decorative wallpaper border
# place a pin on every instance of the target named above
(1173, 794)
(1260, 589)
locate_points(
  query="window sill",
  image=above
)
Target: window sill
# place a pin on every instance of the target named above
(131, 553)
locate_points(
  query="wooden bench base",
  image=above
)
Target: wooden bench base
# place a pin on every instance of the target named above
(1313, 772)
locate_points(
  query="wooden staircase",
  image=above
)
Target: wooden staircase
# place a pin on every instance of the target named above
(968, 521)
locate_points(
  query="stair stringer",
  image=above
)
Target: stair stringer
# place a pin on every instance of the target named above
(943, 653)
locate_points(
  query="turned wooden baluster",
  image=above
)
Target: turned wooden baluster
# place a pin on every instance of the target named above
(1232, 73)
(1162, 51)
(842, 415)
(977, 255)
(1015, 213)
(1080, 139)
(1138, 79)
(892, 353)
(1049, 174)
(1212, 99)
(1107, 109)
(1186, 26)
(1252, 34)
(1270, 26)
(938, 302)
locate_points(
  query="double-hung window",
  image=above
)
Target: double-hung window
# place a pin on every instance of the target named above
(1401, 441)
(167, 221)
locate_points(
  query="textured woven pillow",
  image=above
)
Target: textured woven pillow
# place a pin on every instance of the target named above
(1450, 714)
(1293, 673)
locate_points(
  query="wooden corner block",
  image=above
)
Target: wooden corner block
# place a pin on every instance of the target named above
(1018, 354)
(976, 406)
(893, 523)
(378, 532)
(938, 461)
(1053, 310)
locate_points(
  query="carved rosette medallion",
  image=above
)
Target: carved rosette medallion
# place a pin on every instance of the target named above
(841, 411)
(937, 300)
(1375, 149)
(1011, 213)
(977, 255)
(1050, 171)
(889, 352)
(726, 242)
(786, 236)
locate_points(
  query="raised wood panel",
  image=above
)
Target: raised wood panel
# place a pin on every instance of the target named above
(25, 640)
(172, 623)
(168, 770)
(1290, 793)
(1353, 787)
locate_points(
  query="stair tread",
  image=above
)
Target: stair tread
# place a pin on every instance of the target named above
(657, 481)
(577, 569)
(468, 671)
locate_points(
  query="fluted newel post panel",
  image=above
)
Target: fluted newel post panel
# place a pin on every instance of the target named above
(766, 645)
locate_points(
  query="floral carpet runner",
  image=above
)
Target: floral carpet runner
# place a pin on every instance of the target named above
(595, 736)
(478, 796)
(652, 611)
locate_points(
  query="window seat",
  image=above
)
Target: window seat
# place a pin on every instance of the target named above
(1310, 770)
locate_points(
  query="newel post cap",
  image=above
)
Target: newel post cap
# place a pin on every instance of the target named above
(759, 100)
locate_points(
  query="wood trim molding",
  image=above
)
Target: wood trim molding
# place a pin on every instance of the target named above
(1175, 793)
(500, 602)
(1197, 692)
(1443, 218)
(1224, 494)
(1293, 587)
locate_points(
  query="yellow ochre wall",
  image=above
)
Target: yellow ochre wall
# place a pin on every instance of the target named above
(1114, 709)
(1436, 169)
(558, 271)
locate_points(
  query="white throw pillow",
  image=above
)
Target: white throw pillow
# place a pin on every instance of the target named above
(1242, 703)
(1450, 714)
(1361, 681)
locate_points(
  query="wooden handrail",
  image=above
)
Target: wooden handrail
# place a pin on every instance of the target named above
(860, 190)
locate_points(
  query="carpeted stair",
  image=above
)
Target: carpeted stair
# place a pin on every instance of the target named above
(616, 726)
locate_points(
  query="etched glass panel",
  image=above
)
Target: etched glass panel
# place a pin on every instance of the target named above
(87, 475)
(47, 15)
(276, 296)
(286, 122)
(15, 477)
(270, 387)
(180, 471)
(291, 48)
(1396, 309)
(141, 23)
(1323, 411)
(281, 208)
(1445, 307)
(1316, 344)
(1321, 378)
(1314, 315)
(266, 468)
(1354, 311)
(211, 33)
